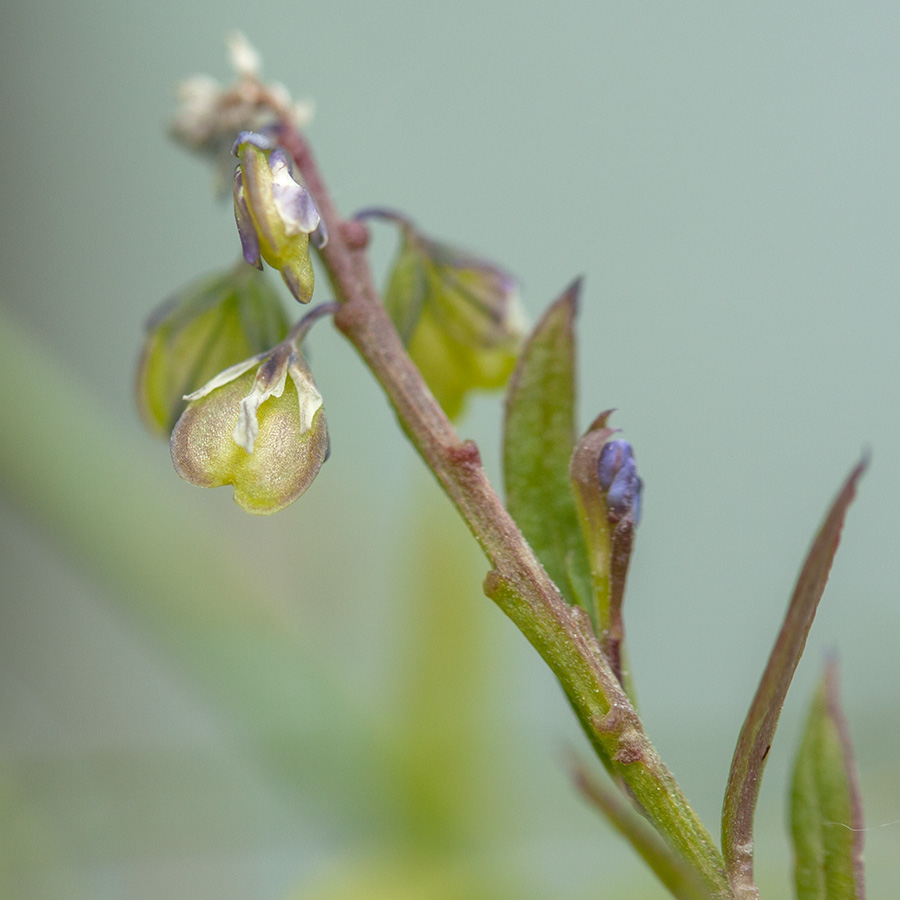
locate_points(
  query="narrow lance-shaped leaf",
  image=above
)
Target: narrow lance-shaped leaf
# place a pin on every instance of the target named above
(539, 434)
(758, 729)
(826, 816)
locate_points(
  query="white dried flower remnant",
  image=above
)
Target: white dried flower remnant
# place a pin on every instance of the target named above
(245, 58)
(210, 115)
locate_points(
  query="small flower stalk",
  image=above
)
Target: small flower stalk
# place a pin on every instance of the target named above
(607, 492)
(204, 328)
(459, 316)
(259, 426)
(275, 215)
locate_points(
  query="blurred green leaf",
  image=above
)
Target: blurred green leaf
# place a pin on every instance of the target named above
(826, 817)
(440, 789)
(538, 439)
(393, 877)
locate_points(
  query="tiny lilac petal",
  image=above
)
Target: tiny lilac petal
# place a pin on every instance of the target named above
(319, 236)
(251, 137)
(278, 162)
(636, 506)
(246, 228)
(612, 457)
(623, 490)
(293, 202)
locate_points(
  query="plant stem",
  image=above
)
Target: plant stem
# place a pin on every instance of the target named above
(517, 582)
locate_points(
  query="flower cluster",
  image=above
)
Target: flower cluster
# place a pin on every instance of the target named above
(259, 424)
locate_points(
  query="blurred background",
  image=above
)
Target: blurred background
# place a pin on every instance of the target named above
(196, 703)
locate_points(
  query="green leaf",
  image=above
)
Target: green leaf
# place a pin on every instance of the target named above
(826, 818)
(539, 436)
(758, 730)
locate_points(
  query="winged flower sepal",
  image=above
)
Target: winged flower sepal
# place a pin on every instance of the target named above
(275, 215)
(459, 316)
(259, 426)
(208, 326)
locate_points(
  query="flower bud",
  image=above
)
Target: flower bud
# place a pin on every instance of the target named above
(259, 426)
(275, 215)
(458, 316)
(205, 328)
(607, 492)
(617, 476)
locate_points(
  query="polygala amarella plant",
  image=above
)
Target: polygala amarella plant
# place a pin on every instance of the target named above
(222, 371)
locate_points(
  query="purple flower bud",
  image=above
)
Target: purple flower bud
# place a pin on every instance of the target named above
(618, 478)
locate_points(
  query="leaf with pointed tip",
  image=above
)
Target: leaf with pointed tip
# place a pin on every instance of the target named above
(758, 730)
(539, 435)
(826, 816)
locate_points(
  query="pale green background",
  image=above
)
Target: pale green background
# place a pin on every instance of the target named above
(727, 177)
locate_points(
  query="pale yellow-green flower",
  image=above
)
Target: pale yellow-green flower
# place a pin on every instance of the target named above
(458, 315)
(259, 426)
(275, 215)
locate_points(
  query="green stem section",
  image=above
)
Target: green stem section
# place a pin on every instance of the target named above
(517, 583)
